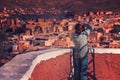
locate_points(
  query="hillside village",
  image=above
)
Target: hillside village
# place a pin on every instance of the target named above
(24, 35)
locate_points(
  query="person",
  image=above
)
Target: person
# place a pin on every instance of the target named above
(80, 51)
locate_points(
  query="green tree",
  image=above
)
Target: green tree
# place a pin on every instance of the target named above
(2, 39)
(116, 28)
(100, 30)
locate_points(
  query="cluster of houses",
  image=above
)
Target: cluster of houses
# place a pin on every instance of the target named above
(35, 34)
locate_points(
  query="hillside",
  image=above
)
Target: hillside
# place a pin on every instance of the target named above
(73, 5)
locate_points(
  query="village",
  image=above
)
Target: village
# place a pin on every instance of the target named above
(39, 33)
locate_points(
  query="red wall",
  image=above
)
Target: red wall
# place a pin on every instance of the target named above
(53, 69)
(107, 67)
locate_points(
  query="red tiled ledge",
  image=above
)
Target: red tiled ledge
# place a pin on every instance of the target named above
(38, 65)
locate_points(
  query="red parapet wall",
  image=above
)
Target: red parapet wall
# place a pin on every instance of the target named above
(107, 67)
(53, 69)
(55, 64)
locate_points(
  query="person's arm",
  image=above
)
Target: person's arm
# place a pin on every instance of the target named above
(89, 28)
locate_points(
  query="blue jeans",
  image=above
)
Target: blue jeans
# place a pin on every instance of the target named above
(80, 68)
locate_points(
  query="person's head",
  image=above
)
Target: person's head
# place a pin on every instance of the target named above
(79, 28)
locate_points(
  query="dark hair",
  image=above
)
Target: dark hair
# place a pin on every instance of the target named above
(77, 27)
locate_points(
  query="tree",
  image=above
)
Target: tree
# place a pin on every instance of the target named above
(2, 39)
(21, 29)
(100, 30)
(116, 29)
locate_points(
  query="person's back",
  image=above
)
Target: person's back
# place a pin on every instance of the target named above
(80, 40)
(81, 50)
